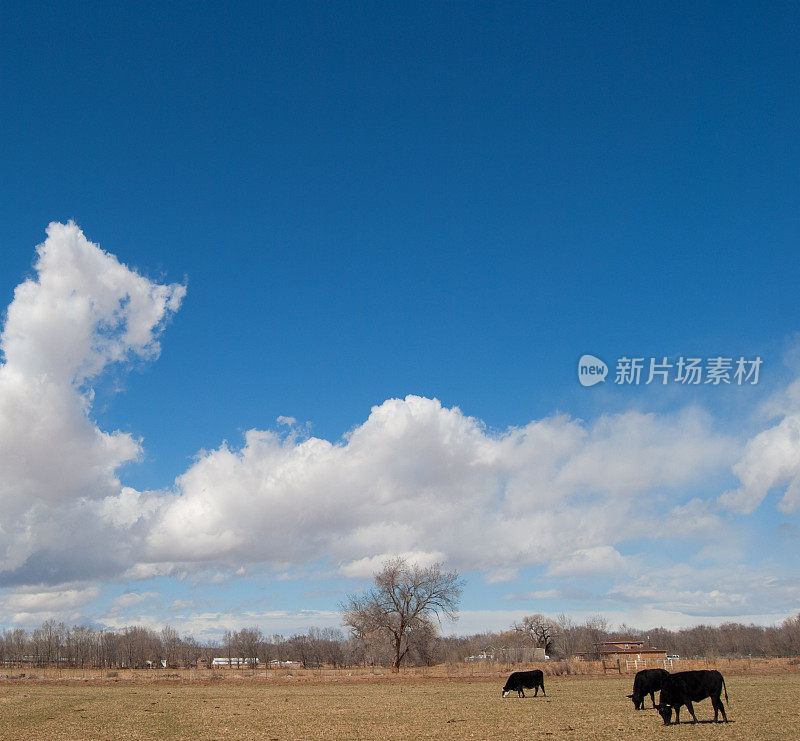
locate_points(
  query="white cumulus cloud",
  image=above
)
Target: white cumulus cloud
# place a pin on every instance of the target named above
(419, 478)
(80, 313)
(771, 459)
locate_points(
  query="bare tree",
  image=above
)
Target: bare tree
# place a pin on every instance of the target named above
(541, 630)
(595, 631)
(190, 651)
(48, 641)
(511, 647)
(171, 642)
(248, 643)
(334, 646)
(81, 645)
(568, 635)
(317, 647)
(139, 645)
(302, 647)
(423, 643)
(229, 642)
(790, 628)
(402, 599)
(17, 642)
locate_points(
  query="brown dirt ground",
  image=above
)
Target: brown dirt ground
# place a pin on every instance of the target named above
(362, 706)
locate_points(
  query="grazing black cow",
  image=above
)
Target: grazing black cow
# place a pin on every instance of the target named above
(684, 688)
(520, 681)
(647, 682)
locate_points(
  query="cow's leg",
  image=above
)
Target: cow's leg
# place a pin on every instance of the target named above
(691, 710)
(677, 715)
(543, 692)
(719, 706)
(521, 692)
(536, 691)
(652, 699)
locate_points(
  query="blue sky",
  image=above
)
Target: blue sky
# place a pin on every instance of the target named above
(399, 225)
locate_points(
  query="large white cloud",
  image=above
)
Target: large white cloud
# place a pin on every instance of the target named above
(417, 477)
(83, 311)
(771, 459)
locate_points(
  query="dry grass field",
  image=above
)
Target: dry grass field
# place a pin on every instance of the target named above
(761, 707)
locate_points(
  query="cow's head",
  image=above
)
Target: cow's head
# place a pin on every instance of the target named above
(636, 700)
(665, 711)
(505, 692)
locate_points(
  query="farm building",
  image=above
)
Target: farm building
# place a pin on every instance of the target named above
(624, 648)
(233, 663)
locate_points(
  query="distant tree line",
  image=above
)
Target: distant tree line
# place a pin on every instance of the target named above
(138, 647)
(87, 647)
(563, 638)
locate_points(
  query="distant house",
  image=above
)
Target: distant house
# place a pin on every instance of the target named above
(626, 648)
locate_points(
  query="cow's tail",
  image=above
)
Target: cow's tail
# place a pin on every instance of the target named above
(726, 690)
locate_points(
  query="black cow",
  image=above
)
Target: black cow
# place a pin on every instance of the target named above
(520, 681)
(647, 681)
(684, 688)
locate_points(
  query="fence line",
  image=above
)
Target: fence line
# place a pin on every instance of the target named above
(637, 664)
